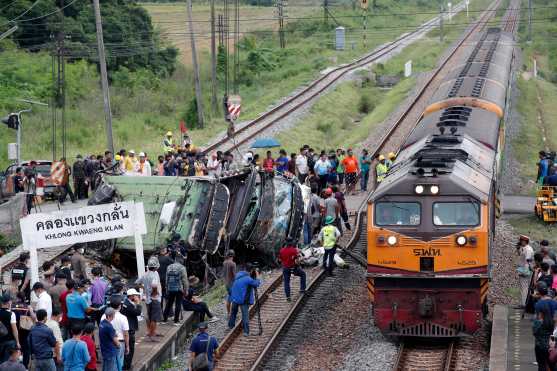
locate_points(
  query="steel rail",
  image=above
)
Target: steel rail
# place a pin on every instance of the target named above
(404, 349)
(342, 70)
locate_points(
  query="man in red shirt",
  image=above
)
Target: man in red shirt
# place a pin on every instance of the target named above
(288, 257)
(269, 163)
(351, 171)
(65, 323)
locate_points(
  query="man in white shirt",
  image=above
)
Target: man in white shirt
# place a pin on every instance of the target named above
(302, 168)
(143, 167)
(212, 164)
(54, 324)
(121, 326)
(44, 301)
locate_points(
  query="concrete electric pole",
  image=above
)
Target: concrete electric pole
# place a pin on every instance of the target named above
(198, 95)
(214, 102)
(104, 76)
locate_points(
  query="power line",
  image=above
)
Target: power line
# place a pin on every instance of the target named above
(39, 17)
(25, 12)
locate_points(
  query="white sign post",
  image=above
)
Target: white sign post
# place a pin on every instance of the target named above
(408, 69)
(86, 224)
(450, 12)
(467, 2)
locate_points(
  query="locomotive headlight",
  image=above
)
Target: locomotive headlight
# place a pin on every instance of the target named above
(419, 189)
(461, 240)
(434, 189)
(392, 240)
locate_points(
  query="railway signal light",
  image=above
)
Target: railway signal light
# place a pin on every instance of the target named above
(12, 121)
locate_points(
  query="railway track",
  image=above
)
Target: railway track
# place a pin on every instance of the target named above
(253, 353)
(431, 356)
(254, 127)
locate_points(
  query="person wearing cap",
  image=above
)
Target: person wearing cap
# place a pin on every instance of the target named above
(44, 301)
(142, 167)
(351, 171)
(153, 296)
(130, 162)
(122, 327)
(79, 178)
(8, 319)
(381, 169)
(203, 343)
(41, 343)
(242, 296)
(229, 272)
(289, 255)
(13, 363)
(131, 308)
(331, 205)
(390, 159)
(328, 237)
(78, 262)
(168, 143)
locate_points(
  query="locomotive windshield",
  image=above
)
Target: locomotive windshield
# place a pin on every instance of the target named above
(456, 213)
(397, 213)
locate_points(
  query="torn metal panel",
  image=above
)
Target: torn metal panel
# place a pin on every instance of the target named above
(241, 189)
(297, 212)
(217, 218)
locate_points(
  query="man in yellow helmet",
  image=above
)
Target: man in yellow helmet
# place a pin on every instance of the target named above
(390, 159)
(328, 237)
(381, 169)
(167, 143)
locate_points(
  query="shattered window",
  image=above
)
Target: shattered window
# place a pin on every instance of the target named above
(281, 212)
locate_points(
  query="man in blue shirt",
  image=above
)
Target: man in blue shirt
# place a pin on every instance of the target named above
(545, 299)
(41, 341)
(77, 307)
(74, 352)
(242, 296)
(281, 163)
(109, 341)
(203, 343)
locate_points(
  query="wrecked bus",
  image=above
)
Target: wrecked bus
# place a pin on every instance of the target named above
(245, 209)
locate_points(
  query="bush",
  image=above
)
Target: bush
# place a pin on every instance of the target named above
(325, 127)
(365, 105)
(190, 116)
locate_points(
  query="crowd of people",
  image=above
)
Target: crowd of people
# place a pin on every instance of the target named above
(538, 284)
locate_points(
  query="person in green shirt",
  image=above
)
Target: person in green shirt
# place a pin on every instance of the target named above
(340, 167)
(365, 162)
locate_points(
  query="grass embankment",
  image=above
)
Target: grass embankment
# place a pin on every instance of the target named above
(145, 107)
(532, 227)
(338, 120)
(537, 96)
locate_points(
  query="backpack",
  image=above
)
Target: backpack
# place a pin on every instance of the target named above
(173, 281)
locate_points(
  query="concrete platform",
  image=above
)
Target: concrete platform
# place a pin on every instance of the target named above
(512, 342)
(512, 204)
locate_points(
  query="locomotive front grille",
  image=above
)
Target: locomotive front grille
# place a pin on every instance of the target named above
(426, 329)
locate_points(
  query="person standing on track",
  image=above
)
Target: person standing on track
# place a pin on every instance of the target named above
(351, 171)
(289, 257)
(328, 237)
(229, 269)
(243, 296)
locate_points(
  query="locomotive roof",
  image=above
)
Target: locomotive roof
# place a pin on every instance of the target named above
(457, 163)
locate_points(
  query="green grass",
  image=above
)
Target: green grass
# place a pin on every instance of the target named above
(534, 228)
(215, 294)
(335, 121)
(537, 96)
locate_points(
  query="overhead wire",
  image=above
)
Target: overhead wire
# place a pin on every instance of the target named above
(25, 12)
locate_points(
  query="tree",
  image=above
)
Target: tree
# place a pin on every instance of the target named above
(129, 35)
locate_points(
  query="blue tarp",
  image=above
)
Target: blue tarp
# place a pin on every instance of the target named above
(265, 143)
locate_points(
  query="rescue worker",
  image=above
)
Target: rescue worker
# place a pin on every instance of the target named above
(328, 237)
(130, 162)
(79, 178)
(167, 145)
(381, 169)
(390, 159)
(143, 167)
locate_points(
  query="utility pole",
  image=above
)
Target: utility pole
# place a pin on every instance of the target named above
(280, 14)
(236, 45)
(441, 23)
(214, 103)
(529, 20)
(326, 11)
(198, 95)
(104, 76)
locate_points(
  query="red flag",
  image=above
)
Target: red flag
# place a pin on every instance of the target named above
(183, 127)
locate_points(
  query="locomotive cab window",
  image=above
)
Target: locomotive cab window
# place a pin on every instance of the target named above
(456, 213)
(397, 213)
